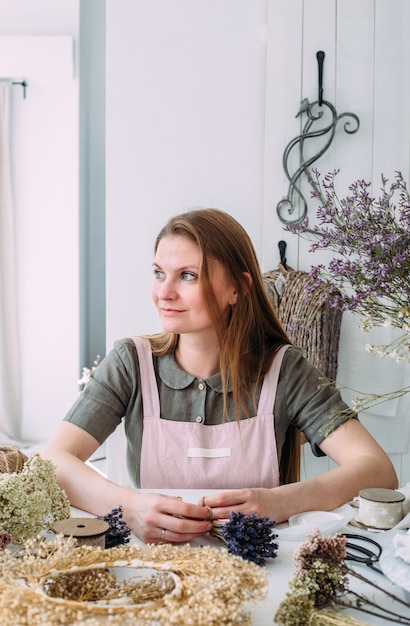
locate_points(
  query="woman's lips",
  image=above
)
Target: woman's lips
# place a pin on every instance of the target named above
(171, 311)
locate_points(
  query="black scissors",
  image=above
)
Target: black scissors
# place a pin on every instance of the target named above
(368, 554)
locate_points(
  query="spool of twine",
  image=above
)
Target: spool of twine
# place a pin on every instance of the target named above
(87, 531)
(380, 508)
(11, 459)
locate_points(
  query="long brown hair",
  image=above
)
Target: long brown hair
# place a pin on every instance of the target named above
(253, 333)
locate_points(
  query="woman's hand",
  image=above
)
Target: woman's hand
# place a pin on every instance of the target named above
(247, 501)
(361, 463)
(157, 518)
(154, 518)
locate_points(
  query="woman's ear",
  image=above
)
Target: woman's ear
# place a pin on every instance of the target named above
(248, 279)
(234, 297)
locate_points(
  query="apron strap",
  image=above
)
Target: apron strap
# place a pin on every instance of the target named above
(270, 383)
(149, 388)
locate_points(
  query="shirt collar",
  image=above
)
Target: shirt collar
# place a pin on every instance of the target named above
(176, 378)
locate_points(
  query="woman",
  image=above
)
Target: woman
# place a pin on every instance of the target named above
(215, 401)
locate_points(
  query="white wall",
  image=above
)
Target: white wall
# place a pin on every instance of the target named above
(185, 128)
(45, 182)
(201, 102)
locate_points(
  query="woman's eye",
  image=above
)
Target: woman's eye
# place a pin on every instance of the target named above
(188, 276)
(158, 274)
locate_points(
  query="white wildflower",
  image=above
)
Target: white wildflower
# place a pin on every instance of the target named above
(87, 371)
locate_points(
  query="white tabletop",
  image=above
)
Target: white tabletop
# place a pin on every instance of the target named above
(280, 570)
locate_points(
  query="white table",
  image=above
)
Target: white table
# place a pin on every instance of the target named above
(280, 570)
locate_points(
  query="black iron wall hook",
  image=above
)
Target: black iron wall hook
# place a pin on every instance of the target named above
(22, 84)
(295, 198)
(320, 55)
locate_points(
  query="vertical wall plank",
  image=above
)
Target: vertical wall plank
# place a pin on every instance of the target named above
(319, 33)
(283, 96)
(354, 88)
(392, 89)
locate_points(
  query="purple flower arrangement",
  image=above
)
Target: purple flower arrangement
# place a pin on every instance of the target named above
(370, 269)
(372, 240)
(248, 536)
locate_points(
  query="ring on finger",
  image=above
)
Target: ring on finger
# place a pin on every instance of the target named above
(210, 513)
(163, 531)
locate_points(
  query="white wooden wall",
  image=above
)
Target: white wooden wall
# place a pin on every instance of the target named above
(366, 71)
(201, 102)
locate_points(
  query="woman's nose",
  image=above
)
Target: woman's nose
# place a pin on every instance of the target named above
(166, 290)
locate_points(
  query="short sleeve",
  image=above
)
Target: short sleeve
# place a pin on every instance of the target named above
(308, 400)
(113, 387)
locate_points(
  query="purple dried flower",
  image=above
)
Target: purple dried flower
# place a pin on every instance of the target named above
(5, 540)
(248, 536)
(118, 532)
(370, 241)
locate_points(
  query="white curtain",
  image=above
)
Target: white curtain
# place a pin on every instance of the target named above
(10, 395)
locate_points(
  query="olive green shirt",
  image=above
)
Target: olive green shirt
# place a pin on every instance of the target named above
(113, 393)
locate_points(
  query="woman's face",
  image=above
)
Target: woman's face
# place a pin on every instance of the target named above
(176, 291)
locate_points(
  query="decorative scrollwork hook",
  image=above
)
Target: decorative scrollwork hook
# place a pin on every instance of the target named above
(286, 207)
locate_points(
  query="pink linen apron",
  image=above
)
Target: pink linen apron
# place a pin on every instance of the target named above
(188, 455)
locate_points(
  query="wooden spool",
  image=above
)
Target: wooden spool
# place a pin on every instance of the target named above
(85, 530)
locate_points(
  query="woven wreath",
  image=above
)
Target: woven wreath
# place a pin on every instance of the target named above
(61, 583)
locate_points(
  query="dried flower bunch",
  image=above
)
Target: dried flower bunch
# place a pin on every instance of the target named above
(371, 269)
(320, 583)
(248, 536)
(45, 583)
(31, 500)
(5, 540)
(118, 532)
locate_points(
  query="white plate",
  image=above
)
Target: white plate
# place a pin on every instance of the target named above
(327, 522)
(394, 568)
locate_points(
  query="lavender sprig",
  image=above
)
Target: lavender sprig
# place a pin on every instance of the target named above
(248, 536)
(118, 532)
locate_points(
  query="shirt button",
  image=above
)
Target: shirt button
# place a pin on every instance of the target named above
(201, 386)
(198, 419)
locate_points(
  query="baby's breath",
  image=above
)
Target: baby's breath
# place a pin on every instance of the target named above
(31, 500)
(86, 373)
(68, 584)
